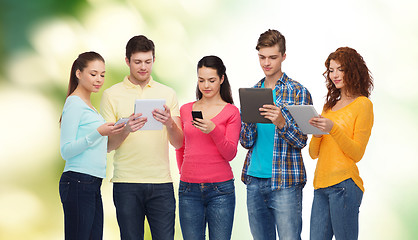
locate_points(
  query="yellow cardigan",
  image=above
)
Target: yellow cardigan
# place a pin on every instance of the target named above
(344, 146)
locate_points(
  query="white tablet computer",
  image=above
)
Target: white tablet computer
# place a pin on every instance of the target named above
(251, 99)
(301, 114)
(146, 106)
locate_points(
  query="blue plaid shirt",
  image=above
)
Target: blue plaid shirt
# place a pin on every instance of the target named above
(288, 168)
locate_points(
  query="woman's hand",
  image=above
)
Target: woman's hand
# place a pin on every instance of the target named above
(206, 126)
(109, 128)
(323, 124)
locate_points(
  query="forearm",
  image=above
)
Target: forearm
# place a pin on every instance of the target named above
(74, 147)
(175, 135)
(247, 135)
(353, 148)
(314, 147)
(180, 157)
(293, 136)
(226, 144)
(115, 141)
(290, 132)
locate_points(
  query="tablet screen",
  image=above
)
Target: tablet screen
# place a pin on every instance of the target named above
(301, 114)
(146, 106)
(251, 99)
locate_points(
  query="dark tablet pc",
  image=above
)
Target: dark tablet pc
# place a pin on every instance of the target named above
(251, 99)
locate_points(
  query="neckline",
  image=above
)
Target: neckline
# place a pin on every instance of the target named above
(223, 108)
(355, 100)
(281, 79)
(130, 84)
(92, 108)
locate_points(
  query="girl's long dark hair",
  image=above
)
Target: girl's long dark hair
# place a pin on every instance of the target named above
(217, 64)
(80, 64)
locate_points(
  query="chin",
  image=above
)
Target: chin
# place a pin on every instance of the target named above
(142, 77)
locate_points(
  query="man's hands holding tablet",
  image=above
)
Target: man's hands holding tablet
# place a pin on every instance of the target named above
(274, 114)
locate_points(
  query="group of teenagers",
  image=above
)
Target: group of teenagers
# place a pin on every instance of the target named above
(273, 171)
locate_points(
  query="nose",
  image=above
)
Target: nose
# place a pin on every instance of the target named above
(206, 84)
(266, 61)
(99, 78)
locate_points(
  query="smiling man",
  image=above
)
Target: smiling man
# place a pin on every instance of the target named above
(273, 170)
(142, 184)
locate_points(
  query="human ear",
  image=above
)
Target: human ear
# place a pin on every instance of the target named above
(127, 61)
(77, 74)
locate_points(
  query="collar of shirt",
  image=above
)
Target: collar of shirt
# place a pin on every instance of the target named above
(283, 79)
(129, 84)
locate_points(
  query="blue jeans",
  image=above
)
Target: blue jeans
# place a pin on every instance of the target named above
(269, 210)
(134, 201)
(82, 203)
(335, 211)
(211, 203)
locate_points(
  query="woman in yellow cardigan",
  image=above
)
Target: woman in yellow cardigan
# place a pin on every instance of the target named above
(348, 118)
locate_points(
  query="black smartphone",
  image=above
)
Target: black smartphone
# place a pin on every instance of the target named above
(197, 114)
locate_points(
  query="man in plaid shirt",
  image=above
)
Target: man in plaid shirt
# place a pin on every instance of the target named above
(273, 170)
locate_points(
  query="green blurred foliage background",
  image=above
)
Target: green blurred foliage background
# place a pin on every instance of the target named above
(40, 39)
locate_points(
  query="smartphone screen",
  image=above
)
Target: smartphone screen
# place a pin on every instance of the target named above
(122, 120)
(197, 114)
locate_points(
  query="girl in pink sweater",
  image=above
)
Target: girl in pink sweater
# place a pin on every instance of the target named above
(206, 191)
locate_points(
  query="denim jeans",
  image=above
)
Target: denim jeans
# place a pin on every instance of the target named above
(211, 203)
(82, 203)
(335, 211)
(269, 210)
(134, 201)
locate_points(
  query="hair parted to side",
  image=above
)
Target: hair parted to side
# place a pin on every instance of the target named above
(216, 63)
(270, 38)
(80, 64)
(358, 80)
(139, 43)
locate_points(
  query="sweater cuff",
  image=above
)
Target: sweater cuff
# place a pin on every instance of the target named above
(216, 134)
(93, 137)
(334, 129)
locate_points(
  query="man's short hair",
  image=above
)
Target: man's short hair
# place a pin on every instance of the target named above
(270, 38)
(139, 43)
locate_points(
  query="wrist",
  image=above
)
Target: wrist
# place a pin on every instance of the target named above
(280, 125)
(170, 123)
(99, 130)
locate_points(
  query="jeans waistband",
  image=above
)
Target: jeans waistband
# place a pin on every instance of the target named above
(205, 185)
(80, 176)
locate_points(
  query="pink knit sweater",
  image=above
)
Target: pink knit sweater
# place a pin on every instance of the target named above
(204, 158)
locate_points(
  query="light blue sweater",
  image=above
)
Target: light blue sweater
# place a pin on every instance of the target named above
(82, 146)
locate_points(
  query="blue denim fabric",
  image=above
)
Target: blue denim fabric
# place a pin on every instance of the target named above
(82, 203)
(269, 210)
(134, 201)
(211, 203)
(335, 211)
